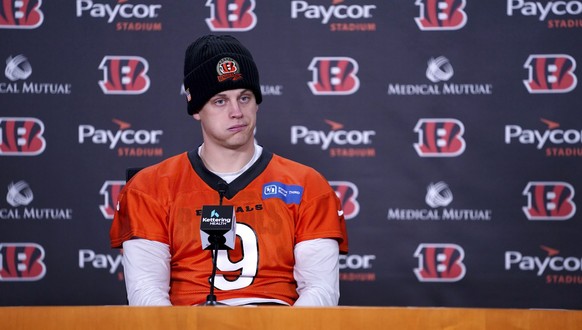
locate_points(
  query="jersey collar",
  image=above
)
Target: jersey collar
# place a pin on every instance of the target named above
(237, 184)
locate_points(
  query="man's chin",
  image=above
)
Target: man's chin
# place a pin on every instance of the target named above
(238, 142)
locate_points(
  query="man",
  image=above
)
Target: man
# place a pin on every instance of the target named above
(290, 227)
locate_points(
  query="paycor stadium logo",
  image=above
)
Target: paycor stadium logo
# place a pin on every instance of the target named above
(553, 268)
(339, 16)
(90, 260)
(127, 16)
(337, 141)
(556, 14)
(357, 268)
(125, 141)
(554, 141)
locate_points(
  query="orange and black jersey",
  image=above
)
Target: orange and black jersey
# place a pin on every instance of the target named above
(278, 204)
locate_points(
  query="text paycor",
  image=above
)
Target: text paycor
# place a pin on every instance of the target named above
(127, 136)
(126, 10)
(339, 137)
(335, 11)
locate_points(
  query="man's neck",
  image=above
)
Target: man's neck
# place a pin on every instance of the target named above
(223, 160)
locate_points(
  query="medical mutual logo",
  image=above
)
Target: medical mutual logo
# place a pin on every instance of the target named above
(439, 71)
(18, 70)
(20, 197)
(438, 197)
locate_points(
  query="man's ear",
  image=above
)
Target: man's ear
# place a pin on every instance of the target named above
(196, 116)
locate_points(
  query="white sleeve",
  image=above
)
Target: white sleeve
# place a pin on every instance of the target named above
(146, 265)
(317, 272)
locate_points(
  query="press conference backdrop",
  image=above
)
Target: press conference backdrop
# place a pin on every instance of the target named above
(451, 130)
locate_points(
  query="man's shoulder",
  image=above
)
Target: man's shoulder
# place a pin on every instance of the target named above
(284, 162)
(166, 170)
(294, 168)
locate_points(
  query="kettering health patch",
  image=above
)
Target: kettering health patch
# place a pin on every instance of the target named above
(289, 194)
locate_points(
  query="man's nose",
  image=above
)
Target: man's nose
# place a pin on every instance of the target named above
(235, 109)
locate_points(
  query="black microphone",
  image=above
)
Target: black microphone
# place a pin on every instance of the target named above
(217, 226)
(217, 232)
(222, 189)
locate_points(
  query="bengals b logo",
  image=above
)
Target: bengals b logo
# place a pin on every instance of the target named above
(347, 192)
(443, 15)
(439, 137)
(21, 262)
(124, 75)
(110, 191)
(334, 76)
(550, 74)
(549, 201)
(21, 137)
(439, 263)
(231, 15)
(17, 14)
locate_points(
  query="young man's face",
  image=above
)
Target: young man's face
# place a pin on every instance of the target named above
(229, 118)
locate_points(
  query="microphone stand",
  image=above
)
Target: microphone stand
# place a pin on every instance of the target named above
(211, 297)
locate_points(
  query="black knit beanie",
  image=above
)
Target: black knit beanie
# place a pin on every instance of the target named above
(216, 63)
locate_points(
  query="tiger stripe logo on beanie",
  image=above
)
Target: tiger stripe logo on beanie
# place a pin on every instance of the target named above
(216, 63)
(227, 68)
